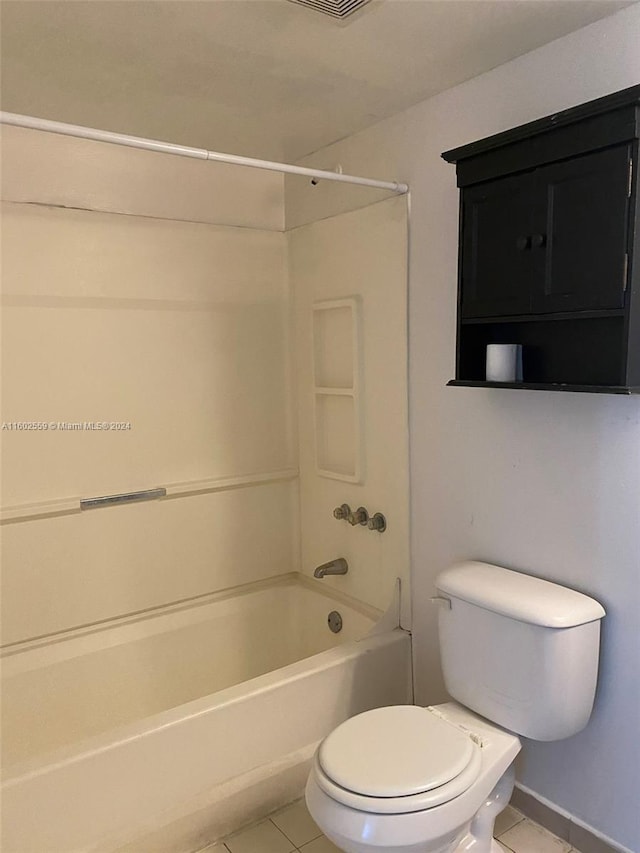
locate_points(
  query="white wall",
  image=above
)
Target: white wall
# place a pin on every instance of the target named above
(180, 328)
(540, 481)
(360, 254)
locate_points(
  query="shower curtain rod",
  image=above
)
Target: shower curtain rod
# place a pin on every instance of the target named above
(197, 153)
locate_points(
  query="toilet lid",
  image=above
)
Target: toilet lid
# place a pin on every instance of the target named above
(395, 752)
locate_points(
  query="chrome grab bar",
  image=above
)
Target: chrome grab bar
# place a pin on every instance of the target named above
(125, 498)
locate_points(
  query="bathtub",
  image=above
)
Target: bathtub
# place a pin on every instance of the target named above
(169, 729)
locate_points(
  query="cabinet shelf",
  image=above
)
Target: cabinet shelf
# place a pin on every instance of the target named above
(543, 318)
(546, 386)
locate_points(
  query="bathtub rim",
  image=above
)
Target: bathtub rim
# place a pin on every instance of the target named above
(287, 579)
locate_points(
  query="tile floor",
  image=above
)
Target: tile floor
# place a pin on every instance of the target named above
(292, 829)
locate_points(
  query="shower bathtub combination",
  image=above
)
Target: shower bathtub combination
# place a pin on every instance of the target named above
(165, 728)
(169, 729)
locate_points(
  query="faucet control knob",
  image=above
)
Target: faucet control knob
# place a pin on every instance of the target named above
(377, 522)
(360, 516)
(342, 512)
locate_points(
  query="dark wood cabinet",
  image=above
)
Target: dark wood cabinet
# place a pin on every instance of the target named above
(548, 225)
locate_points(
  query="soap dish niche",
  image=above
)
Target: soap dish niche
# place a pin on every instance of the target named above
(336, 375)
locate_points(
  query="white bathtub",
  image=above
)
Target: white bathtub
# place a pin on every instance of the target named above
(167, 730)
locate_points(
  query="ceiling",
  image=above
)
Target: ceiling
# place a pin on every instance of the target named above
(263, 78)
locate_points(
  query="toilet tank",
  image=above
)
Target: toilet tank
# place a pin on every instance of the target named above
(518, 650)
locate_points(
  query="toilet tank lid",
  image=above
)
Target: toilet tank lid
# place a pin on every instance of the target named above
(518, 596)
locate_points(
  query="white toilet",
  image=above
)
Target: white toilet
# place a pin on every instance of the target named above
(519, 651)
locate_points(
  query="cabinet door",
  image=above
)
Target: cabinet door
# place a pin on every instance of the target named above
(496, 258)
(579, 239)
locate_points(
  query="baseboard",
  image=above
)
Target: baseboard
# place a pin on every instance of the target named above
(581, 836)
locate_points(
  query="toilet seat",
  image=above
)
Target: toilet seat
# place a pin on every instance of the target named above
(397, 760)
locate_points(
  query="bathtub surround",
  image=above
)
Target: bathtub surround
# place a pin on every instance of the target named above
(540, 481)
(112, 266)
(175, 326)
(359, 253)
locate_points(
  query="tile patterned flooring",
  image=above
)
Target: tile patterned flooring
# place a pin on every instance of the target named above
(292, 830)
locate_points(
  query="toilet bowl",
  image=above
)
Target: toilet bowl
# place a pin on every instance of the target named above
(412, 780)
(408, 779)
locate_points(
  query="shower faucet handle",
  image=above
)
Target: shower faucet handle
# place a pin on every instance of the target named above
(360, 516)
(342, 512)
(377, 522)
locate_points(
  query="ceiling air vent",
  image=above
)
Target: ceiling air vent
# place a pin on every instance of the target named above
(338, 9)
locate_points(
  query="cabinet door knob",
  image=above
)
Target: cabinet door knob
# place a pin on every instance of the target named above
(523, 243)
(538, 241)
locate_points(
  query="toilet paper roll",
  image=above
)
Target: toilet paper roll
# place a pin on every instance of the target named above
(504, 363)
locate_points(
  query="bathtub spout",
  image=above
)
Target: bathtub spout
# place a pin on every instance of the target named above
(335, 567)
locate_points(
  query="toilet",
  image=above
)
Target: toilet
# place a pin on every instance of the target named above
(520, 657)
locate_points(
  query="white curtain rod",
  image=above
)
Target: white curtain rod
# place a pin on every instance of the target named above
(197, 153)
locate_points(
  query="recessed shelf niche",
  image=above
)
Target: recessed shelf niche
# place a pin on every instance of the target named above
(336, 377)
